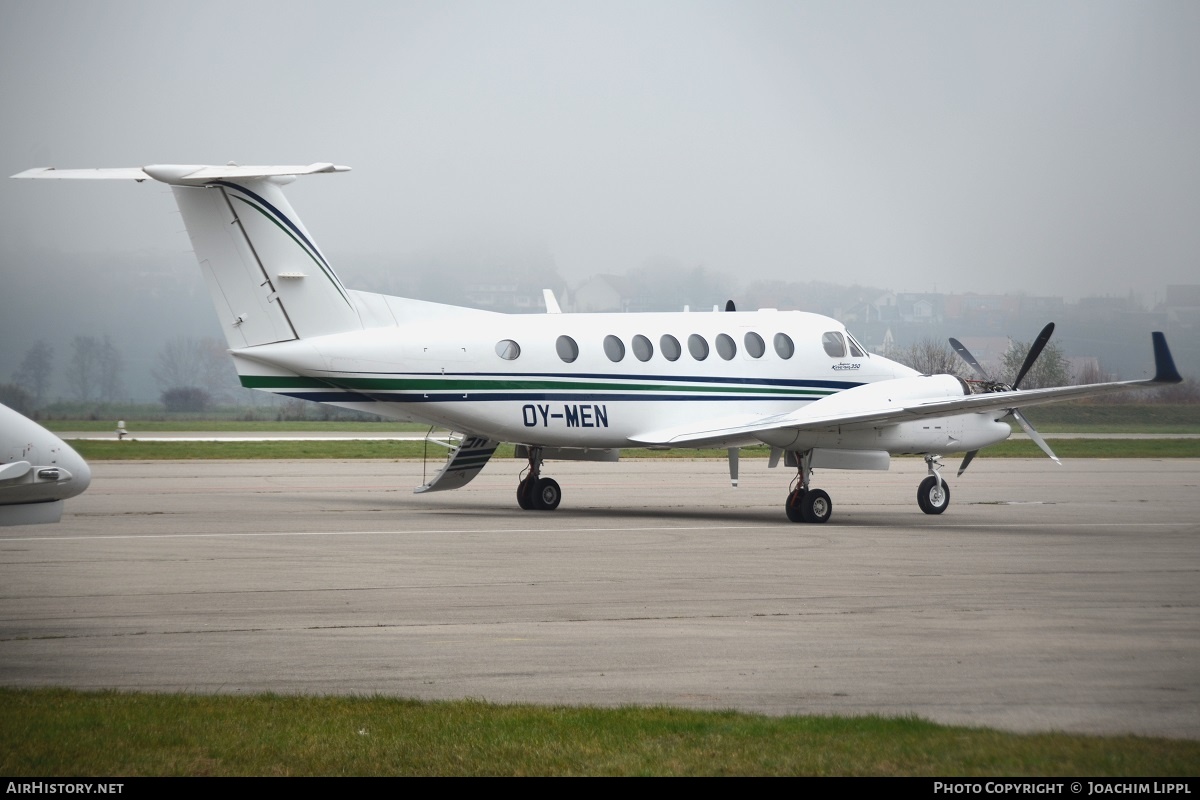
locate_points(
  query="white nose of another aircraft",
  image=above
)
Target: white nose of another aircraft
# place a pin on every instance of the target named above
(38, 471)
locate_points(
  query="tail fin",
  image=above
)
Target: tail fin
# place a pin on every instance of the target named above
(268, 280)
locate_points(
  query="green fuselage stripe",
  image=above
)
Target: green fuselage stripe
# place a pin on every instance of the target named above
(526, 385)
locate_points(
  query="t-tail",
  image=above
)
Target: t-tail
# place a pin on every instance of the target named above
(268, 280)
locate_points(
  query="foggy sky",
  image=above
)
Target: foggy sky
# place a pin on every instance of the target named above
(1045, 147)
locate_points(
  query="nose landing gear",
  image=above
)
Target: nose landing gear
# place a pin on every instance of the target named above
(933, 495)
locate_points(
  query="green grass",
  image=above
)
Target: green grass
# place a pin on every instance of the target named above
(229, 426)
(64, 733)
(1088, 418)
(133, 450)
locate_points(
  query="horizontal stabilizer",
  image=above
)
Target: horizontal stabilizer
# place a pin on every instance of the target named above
(178, 174)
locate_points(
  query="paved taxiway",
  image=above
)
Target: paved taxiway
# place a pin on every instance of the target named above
(1046, 597)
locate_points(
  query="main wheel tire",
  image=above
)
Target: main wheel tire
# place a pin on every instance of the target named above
(546, 494)
(792, 505)
(933, 496)
(816, 506)
(525, 494)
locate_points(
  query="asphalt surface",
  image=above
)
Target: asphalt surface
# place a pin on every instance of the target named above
(1045, 598)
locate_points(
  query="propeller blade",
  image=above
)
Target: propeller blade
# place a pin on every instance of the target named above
(1037, 437)
(970, 359)
(733, 465)
(969, 458)
(1035, 350)
(729, 306)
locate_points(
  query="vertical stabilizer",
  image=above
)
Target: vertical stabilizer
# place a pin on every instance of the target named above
(268, 280)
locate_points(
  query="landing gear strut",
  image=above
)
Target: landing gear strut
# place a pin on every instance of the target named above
(805, 504)
(535, 493)
(933, 495)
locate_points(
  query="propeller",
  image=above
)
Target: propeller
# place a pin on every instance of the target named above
(729, 306)
(989, 385)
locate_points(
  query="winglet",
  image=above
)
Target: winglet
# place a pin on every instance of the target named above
(1164, 364)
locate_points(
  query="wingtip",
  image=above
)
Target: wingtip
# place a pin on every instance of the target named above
(1164, 363)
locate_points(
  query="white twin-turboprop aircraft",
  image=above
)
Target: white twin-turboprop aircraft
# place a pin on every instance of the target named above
(574, 386)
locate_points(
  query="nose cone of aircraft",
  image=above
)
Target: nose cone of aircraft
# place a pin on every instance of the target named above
(81, 473)
(53, 470)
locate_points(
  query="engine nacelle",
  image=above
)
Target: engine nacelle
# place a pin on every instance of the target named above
(945, 434)
(894, 393)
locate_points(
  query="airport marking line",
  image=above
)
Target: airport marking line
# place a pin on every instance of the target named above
(653, 529)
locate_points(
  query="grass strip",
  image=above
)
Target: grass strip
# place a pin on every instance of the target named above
(230, 426)
(64, 733)
(134, 450)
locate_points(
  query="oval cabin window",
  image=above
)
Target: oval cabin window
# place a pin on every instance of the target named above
(726, 349)
(643, 350)
(614, 348)
(784, 346)
(567, 349)
(508, 349)
(670, 348)
(755, 345)
(698, 347)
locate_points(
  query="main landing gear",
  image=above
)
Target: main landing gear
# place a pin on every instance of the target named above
(535, 493)
(805, 504)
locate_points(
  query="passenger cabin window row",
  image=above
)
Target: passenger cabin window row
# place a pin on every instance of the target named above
(835, 344)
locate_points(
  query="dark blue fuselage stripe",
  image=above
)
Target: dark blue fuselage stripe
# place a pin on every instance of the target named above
(472, 397)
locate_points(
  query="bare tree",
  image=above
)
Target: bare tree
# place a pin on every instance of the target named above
(1050, 369)
(36, 368)
(83, 373)
(930, 357)
(16, 398)
(95, 369)
(112, 366)
(1092, 372)
(185, 362)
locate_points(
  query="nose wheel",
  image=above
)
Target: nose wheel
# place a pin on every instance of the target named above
(933, 495)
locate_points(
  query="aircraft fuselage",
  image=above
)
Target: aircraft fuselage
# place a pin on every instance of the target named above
(602, 380)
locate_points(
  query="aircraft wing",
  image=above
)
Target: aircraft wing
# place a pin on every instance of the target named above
(812, 417)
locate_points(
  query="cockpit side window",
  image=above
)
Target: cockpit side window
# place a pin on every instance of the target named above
(834, 344)
(856, 349)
